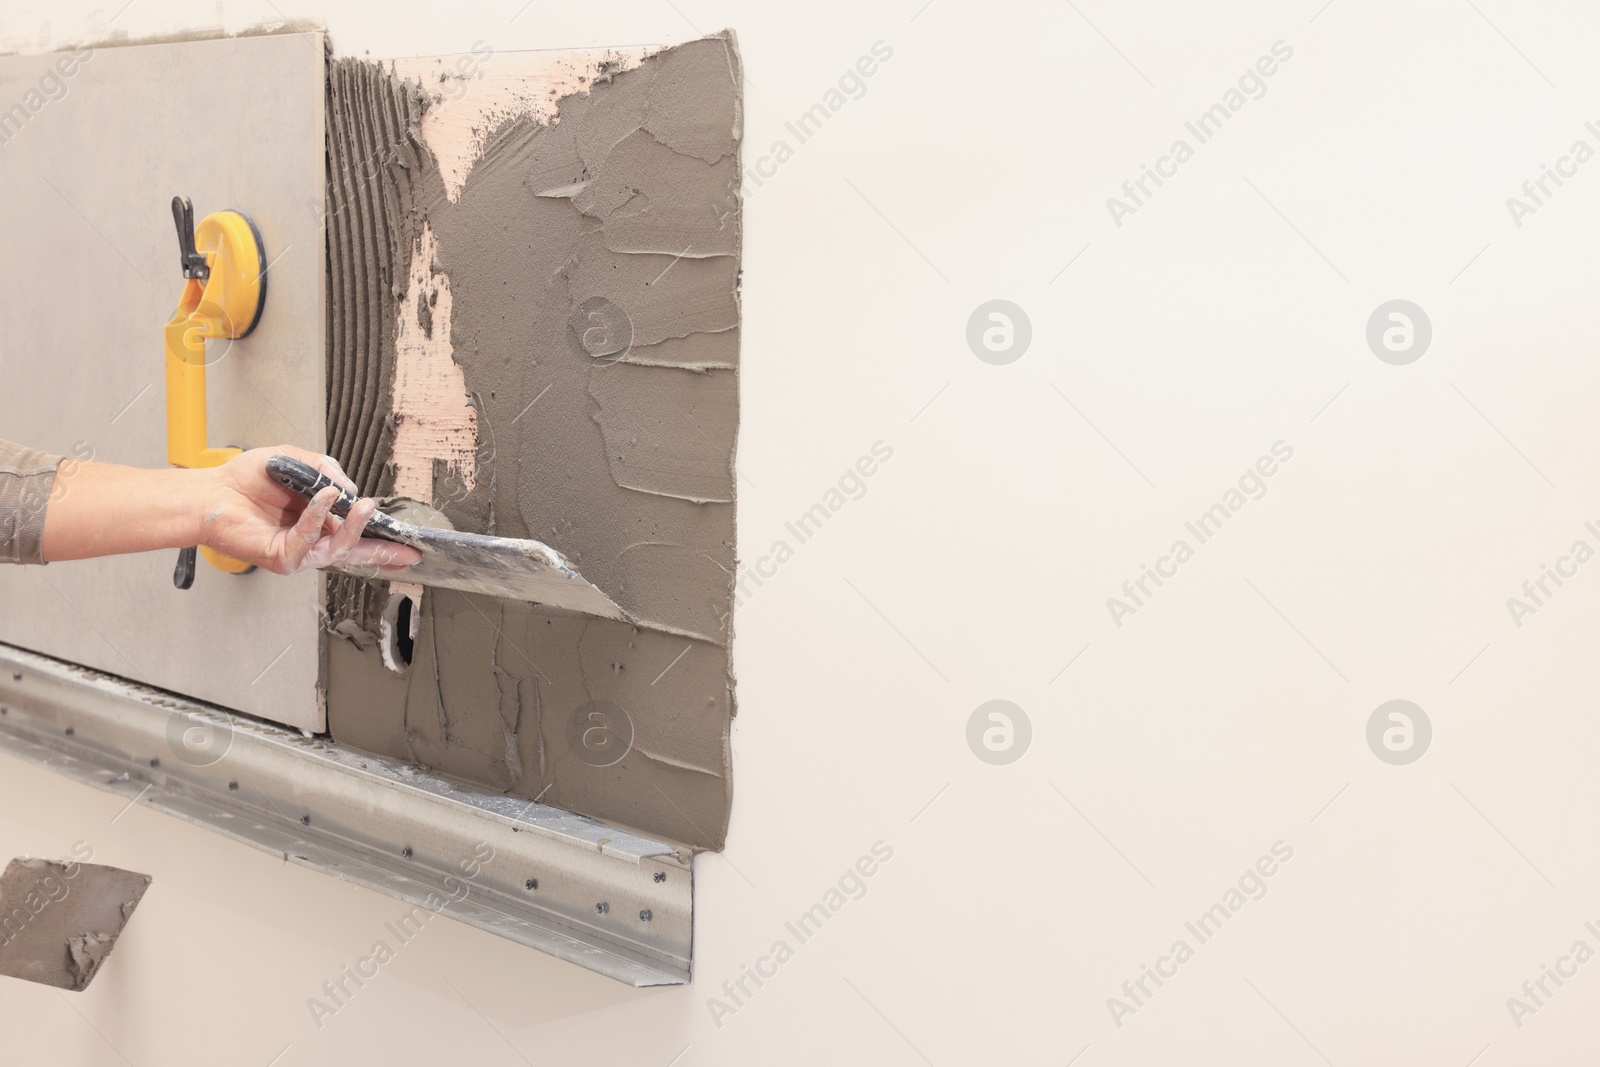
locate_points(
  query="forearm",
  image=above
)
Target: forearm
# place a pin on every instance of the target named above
(236, 509)
(99, 509)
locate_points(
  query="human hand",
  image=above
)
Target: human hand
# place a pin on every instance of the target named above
(245, 514)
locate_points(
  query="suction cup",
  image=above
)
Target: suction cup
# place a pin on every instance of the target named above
(236, 289)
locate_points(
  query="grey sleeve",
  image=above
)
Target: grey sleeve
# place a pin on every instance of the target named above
(27, 477)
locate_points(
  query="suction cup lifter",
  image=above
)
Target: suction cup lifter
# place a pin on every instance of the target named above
(224, 264)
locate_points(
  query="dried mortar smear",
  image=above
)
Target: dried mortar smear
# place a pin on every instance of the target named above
(59, 921)
(587, 237)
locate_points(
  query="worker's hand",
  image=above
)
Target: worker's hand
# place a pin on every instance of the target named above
(249, 516)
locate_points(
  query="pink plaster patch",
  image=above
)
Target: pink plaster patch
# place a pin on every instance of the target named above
(434, 418)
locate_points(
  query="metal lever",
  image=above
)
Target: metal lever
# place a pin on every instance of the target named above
(194, 263)
(183, 573)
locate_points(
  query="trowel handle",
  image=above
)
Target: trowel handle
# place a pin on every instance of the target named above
(307, 481)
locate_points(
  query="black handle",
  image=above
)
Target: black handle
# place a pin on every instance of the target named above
(307, 481)
(183, 573)
(193, 263)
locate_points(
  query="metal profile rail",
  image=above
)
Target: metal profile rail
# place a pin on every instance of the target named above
(606, 899)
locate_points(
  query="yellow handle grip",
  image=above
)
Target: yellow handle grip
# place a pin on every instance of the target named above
(186, 387)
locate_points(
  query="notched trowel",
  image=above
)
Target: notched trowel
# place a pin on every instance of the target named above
(476, 563)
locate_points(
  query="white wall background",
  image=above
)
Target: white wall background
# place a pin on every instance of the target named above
(1228, 714)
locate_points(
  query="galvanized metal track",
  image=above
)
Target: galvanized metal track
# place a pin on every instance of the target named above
(606, 899)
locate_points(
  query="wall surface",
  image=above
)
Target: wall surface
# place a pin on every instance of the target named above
(540, 251)
(1183, 739)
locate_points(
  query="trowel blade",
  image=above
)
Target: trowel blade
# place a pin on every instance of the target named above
(498, 566)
